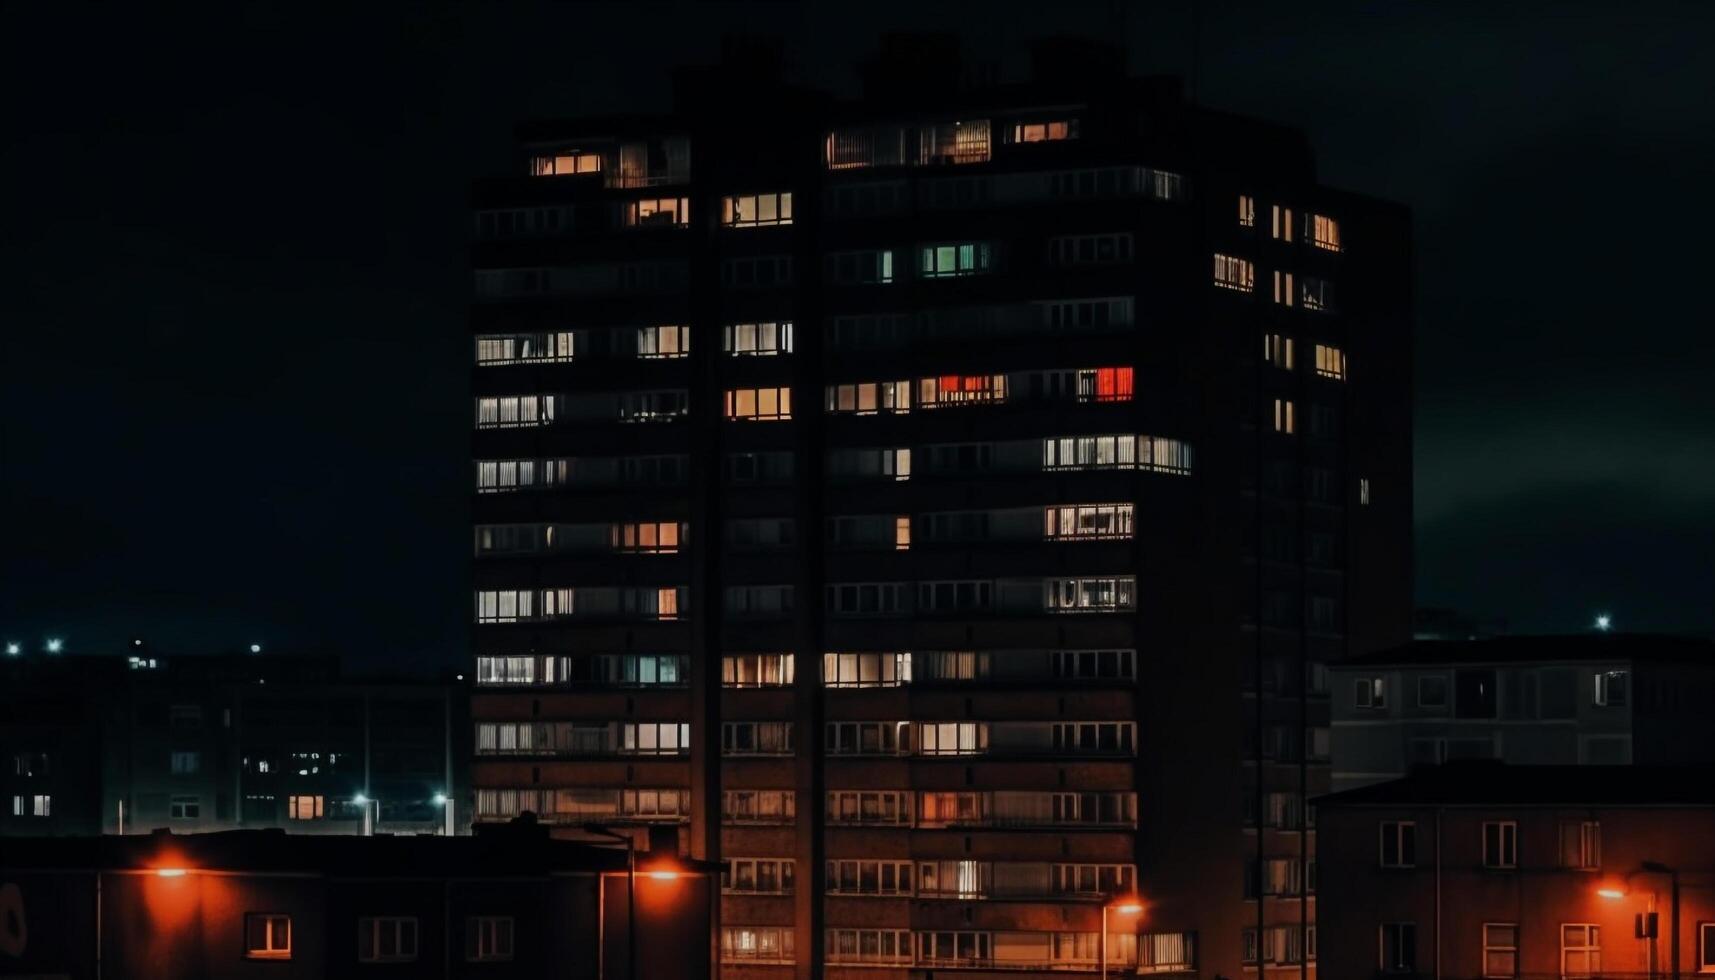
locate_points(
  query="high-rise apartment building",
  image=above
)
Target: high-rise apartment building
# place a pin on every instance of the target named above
(941, 504)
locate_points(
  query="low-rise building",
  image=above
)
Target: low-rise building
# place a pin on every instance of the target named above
(1590, 699)
(1478, 869)
(122, 744)
(265, 903)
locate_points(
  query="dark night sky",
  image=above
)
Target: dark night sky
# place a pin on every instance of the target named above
(234, 355)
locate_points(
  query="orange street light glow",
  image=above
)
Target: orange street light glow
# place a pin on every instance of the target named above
(170, 872)
(664, 875)
(1610, 893)
(1128, 908)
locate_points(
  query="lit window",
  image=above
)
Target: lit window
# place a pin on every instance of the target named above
(1284, 416)
(663, 342)
(386, 939)
(960, 389)
(1369, 692)
(1283, 289)
(902, 533)
(1166, 952)
(757, 944)
(866, 669)
(1364, 491)
(658, 212)
(1247, 211)
(1580, 950)
(1090, 595)
(1500, 844)
(950, 261)
(1317, 294)
(1500, 949)
(526, 348)
(1399, 947)
(1235, 273)
(1398, 844)
(757, 339)
(650, 537)
(1581, 844)
(1330, 362)
(1280, 223)
(1277, 350)
(516, 411)
(1323, 231)
(565, 162)
(952, 737)
(303, 807)
(757, 670)
(267, 936)
(756, 210)
(1043, 132)
(488, 938)
(1611, 688)
(1087, 522)
(759, 404)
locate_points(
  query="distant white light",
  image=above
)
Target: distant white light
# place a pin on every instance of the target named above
(136, 643)
(55, 644)
(13, 649)
(360, 799)
(460, 677)
(1604, 622)
(255, 648)
(440, 799)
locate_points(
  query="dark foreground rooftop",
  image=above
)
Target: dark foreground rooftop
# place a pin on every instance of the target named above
(1487, 783)
(1537, 649)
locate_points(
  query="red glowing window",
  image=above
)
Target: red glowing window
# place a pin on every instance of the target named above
(1113, 384)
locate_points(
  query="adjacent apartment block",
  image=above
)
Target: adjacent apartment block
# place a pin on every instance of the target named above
(942, 505)
(1585, 699)
(264, 903)
(1478, 869)
(129, 744)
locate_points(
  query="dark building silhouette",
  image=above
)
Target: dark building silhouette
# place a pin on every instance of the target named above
(1478, 869)
(264, 903)
(104, 744)
(941, 505)
(1582, 699)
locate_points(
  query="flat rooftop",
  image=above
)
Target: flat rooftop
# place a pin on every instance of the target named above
(1489, 783)
(1567, 648)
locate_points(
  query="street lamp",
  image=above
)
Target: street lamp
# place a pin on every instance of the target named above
(1651, 926)
(446, 806)
(55, 644)
(371, 817)
(1130, 905)
(13, 649)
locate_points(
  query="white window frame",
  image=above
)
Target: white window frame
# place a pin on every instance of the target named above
(1590, 949)
(273, 925)
(1491, 947)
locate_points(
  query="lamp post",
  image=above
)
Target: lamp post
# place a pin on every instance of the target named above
(446, 806)
(630, 892)
(1125, 906)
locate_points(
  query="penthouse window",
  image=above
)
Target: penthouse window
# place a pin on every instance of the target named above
(757, 876)
(757, 210)
(860, 268)
(1232, 272)
(663, 342)
(563, 162)
(756, 738)
(869, 397)
(1103, 249)
(957, 142)
(1092, 595)
(1322, 231)
(759, 404)
(1330, 362)
(1047, 131)
(1087, 522)
(961, 389)
(757, 339)
(516, 411)
(950, 261)
(658, 212)
(526, 348)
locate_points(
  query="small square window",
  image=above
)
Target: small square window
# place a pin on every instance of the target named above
(267, 936)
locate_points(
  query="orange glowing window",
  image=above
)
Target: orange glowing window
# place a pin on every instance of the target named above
(1113, 384)
(267, 936)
